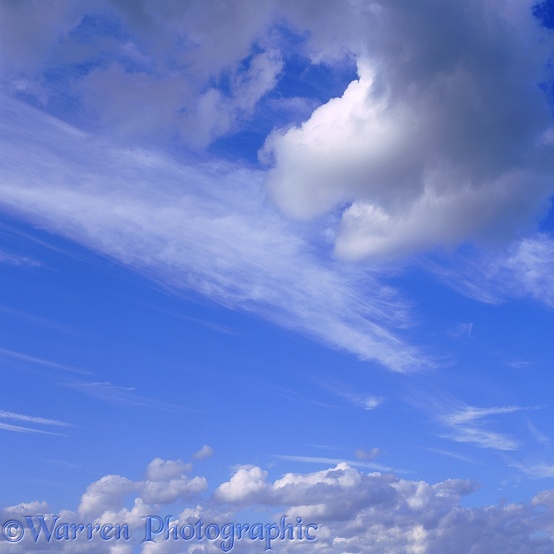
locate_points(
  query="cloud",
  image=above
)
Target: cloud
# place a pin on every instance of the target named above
(160, 470)
(524, 269)
(466, 424)
(22, 429)
(161, 63)
(105, 495)
(442, 139)
(537, 470)
(363, 462)
(116, 394)
(438, 141)
(20, 357)
(362, 454)
(354, 512)
(247, 485)
(14, 259)
(166, 482)
(27, 419)
(204, 453)
(207, 229)
(31, 419)
(366, 402)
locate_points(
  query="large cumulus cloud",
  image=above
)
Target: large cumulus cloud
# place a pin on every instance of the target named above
(443, 137)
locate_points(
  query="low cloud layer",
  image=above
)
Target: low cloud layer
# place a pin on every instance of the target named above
(354, 512)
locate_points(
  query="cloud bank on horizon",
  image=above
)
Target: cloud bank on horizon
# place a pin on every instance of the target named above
(353, 511)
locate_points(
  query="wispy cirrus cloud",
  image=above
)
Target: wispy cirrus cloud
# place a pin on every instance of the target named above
(121, 395)
(540, 470)
(468, 424)
(17, 260)
(34, 360)
(24, 420)
(524, 268)
(207, 229)
(361, 462)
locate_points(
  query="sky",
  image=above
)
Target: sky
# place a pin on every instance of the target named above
(274, 258)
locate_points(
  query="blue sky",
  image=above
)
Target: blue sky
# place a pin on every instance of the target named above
(265, 258)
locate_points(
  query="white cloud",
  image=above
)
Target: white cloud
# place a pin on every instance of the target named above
(466, 424)
(105, 495)
(354, 512)
(367, 402)
(204, 453)
(167, 492)
(524, 269)
(537, 470)
(22, 429)
(25, 358)
(4, 414)
(13, 416)
(248, 484)
(437, 142)
(166, 482)
(365, 463)
(160, 470)
(362, 454)
(13, 259)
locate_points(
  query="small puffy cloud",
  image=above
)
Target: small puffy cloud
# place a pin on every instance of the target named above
(166, 482)
(205, 452)
(161, 470)
(166, 492)
(106, 494)
(248, 484)
(362, 454)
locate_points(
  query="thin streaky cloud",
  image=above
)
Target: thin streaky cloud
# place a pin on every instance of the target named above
(289, 394)
(523, 269)
(18, 260)
(359, 400)
(13, 416)
(21, 429)
(541, 470)
(205, 323)
(124, 396)
(36, 320)
(18, 356)
(482, 438)
(467, 425)
(468, 414)
(454, 455)
(335, 461)
(538, 435)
